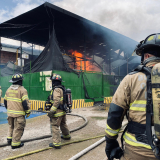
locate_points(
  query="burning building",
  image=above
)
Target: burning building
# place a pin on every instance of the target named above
(72, 43)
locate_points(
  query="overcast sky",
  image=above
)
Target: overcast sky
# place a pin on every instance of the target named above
(133, 18)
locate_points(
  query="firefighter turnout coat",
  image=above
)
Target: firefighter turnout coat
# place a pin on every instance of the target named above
(17, 101)
(130, 96)
(57, 100)
(59, 117)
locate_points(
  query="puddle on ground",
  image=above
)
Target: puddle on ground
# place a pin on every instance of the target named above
(3, 115)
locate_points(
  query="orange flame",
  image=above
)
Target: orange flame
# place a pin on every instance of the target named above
(81, 64)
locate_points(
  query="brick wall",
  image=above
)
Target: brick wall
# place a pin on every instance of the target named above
(8, 56)
(11, 56)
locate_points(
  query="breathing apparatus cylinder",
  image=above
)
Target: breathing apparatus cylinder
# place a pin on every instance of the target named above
(48, 106)
(69, 99)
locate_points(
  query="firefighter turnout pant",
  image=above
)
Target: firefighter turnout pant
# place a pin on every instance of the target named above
(137, 153)
(55, 123)
(16, 129)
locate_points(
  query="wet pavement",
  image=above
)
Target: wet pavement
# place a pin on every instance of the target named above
(39, 126)
(3, 115)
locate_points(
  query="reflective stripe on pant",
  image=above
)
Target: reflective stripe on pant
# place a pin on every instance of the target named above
(16, 129)
(137, 153)
(57, 122)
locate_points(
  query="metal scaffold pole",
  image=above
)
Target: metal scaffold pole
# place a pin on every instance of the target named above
(109, 64)
(21, 52)
(32, 52)
(127, 63)
(30, 78)
(84, 51)
(0, 59)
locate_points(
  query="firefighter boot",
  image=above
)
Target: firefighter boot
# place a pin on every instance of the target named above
(66, 138)
(9, 141)
(52, 145)
(15, 147)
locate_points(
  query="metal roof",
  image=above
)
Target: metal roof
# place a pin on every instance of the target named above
(72, 32)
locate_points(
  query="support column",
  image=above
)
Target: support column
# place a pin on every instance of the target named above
(109, 63)
(127, 63)
(84, 51)
(0, 50)
(0, 58)
(32, 52)
(21, 52)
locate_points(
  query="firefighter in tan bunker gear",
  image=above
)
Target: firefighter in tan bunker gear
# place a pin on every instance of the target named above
(132, 97)
(0, 94)
(57, 114)
(17, 105)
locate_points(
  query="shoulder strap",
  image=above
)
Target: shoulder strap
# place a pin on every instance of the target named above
(149, 105)
(139, 68)
(142, 68)
(149, 108)
(60, 86)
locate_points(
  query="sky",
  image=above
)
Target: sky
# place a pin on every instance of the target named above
(135, 19)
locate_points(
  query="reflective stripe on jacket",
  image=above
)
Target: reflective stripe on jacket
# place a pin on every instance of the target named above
(138, 105)
(111, 131)
(51, 97)
(133, 142)
(14, 96)
(57, 97)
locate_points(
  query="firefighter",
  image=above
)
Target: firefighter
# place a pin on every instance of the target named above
(0, 94)
(133, 97)
(57, 113)
(17, 105)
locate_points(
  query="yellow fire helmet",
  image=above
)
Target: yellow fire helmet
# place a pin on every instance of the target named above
(16, 78)
(151, 42)
(57, 77)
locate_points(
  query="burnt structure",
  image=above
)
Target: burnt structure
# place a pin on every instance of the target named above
(72, 43)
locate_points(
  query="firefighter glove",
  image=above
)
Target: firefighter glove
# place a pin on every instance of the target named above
(28, 112)
(112, 149)
(51, 114)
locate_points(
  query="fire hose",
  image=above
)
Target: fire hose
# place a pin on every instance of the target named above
(48, 136)
(80, 154)
(96, 144)
(40, 150)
